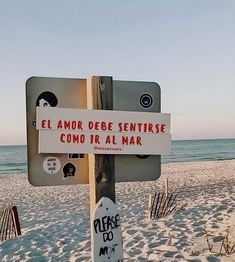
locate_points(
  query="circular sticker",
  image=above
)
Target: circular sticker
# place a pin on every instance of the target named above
(69, 170)
(146, 100)
(51, 165)
(47, 99)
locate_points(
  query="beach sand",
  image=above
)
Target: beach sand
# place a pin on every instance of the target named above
(55, 220)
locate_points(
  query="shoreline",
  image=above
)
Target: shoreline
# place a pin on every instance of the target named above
(173, 140)
(162, 163)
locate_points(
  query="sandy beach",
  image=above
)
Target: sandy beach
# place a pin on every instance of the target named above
(55, 220)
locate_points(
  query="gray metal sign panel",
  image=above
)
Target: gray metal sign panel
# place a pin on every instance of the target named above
(137, 96)
(54, 169)
(68, 169)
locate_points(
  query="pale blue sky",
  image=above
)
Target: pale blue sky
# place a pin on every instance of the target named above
(188, 47)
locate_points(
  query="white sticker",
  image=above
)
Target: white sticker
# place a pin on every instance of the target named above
(51, 165)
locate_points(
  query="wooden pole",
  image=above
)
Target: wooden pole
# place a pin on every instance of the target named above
(150, 206)
(106, 239)
(166, 187)
(101, 167)
(16, 220)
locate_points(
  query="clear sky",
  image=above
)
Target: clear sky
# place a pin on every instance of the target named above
(188, 47)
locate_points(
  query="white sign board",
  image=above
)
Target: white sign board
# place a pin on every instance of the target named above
(63, 130)
(106, 233)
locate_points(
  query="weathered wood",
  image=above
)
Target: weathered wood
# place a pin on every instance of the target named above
(101, 167)
(166, 187)
(166, 207)
(162, 197)
(3, 225)
(162, 205)
(173, 206)
(156, 205)
(9, 223)
(150, 206)
(16, 221)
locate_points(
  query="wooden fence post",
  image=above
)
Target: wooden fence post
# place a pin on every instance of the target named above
(150, 206)
(9, 223)
(16, 220)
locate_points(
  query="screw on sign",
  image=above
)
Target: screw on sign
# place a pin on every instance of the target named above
(106, 232)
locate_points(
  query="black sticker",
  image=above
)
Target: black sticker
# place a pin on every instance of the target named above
(69, 170)
(146, 100)
(76, 156)
(47, 99)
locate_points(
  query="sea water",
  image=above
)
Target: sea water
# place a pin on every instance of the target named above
(13, 159)
(201, 150)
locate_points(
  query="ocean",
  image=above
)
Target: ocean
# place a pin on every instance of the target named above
(13, 159)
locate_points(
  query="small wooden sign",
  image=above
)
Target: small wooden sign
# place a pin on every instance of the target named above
(106, 233)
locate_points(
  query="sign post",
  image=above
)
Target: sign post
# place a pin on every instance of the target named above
(101, 167)
(102, 184)
(96, 135)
